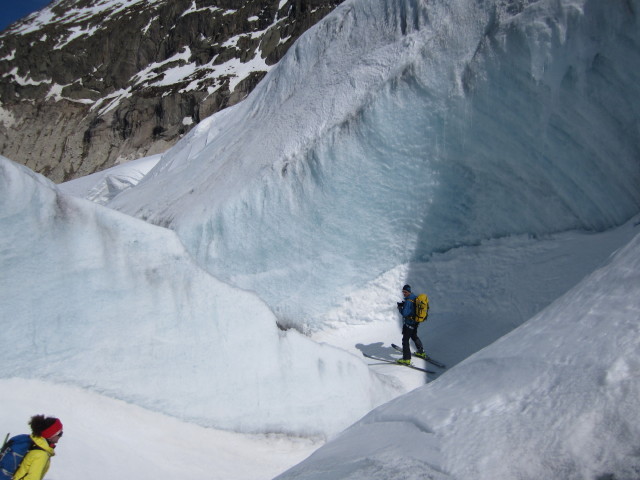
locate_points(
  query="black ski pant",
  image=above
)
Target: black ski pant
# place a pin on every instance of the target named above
(410, 333)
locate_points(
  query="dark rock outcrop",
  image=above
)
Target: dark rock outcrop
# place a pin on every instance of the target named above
(87, 84)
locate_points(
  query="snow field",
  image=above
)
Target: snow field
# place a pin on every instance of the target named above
(470, 149)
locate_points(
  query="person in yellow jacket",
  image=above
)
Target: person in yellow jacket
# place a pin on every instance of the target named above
(45, 433)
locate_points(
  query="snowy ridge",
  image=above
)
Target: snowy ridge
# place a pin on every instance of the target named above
(137, 320)
(556, 398)
(102, 187)
(438, 124)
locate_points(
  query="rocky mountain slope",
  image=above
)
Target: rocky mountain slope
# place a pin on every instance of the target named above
(87, 84)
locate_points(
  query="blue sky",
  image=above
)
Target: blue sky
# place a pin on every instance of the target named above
(12, 10)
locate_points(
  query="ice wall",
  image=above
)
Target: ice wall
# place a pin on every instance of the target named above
(394, 129)
(95, 298)
(556, 398)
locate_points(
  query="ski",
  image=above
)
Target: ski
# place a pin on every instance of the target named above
(428, 359)
(393, 362)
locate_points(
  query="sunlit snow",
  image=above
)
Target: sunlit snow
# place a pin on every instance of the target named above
(484, 152)
(387, 135)
(184, 343)
(556, 398)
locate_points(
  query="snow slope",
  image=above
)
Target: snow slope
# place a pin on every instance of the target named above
(470, 148)
(478, 293)
(98, 299)
(396, 129)
(107, 439)
(101, 187)
(556, 398)
(99, 429)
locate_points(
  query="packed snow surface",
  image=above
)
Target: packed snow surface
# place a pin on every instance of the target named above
(484, 152)
(563, 386)
(556, 398)
(105, 439)
(102, 187)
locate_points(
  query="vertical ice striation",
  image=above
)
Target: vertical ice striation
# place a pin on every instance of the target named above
(394, 129)
(95, 298)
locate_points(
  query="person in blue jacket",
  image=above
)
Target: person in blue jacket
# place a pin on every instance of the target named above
(407, 309)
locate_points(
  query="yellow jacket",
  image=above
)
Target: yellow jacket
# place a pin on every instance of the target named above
(35, 464)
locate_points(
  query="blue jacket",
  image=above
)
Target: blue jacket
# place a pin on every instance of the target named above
(409, 310)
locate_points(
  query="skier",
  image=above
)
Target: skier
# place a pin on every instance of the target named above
(45, 433)
(407, 309)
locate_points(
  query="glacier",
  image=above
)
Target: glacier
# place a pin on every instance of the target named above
(555, 398)
(484, 151)
(95, 298)
(394, 130)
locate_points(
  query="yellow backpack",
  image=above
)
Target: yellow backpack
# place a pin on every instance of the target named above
(422, 307)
